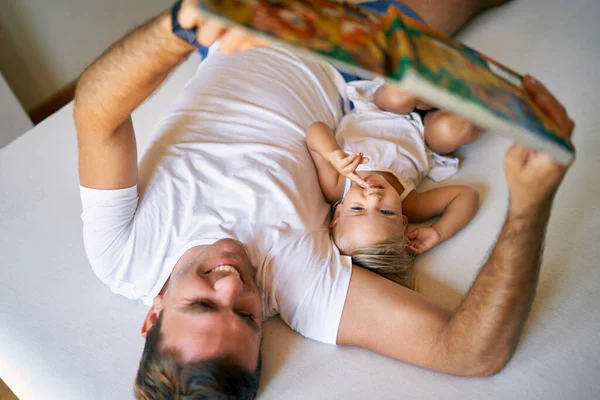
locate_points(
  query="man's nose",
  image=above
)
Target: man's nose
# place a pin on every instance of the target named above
(228, 289)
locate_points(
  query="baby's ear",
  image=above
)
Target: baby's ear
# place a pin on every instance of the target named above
(405, 223)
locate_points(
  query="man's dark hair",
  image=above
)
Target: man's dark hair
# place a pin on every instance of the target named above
(162, 377)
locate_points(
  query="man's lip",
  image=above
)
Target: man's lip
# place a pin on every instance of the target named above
(229, 263)
(224, 262)
(227, 260)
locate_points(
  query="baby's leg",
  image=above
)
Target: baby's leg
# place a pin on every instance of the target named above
(449, 16)
(446, 132)
(397, 100)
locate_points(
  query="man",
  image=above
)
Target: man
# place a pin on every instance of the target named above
(226, 225)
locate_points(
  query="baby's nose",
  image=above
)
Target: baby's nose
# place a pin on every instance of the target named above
(374, 200)
(373, 191)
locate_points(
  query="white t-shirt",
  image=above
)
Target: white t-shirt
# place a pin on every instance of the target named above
(230, 161)
(394, 143)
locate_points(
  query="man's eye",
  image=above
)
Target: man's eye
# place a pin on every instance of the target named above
(204, 304)
(388, 212)
(245, 314)
(357, 208)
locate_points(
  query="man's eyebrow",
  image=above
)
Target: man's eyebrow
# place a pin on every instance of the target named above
(199, 309)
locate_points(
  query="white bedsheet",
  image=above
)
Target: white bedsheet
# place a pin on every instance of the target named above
(63, 335)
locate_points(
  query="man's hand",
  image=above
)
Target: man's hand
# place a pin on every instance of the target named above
(210, 30)
(479, 338)
(422, 239)
(346, 164)
(533, 177)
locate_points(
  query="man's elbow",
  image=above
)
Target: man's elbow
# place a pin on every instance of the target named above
(483, 367)
(485, 370)
(88, 114)
(80, 111)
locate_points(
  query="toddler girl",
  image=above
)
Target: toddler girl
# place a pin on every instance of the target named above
(370, 169)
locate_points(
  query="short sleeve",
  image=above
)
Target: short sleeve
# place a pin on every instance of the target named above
(107, 225)
(362, 93)
(310, 283)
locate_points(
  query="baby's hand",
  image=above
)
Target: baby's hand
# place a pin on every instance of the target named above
(346, 164)
(422, 239)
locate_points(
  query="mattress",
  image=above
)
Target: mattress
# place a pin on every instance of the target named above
(64, 335)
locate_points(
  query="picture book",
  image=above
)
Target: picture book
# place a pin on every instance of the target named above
(406, 52)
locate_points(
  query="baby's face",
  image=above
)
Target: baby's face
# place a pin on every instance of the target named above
(370, 215)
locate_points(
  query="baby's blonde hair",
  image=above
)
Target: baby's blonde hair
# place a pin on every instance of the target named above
(390, 258)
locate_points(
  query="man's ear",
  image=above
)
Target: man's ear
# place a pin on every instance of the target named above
(405, 223)
(152, 315)
(336, 216)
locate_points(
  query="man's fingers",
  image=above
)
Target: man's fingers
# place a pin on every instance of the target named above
(556, 112)
(209, 32)
(239, 39)
(537, 88)
(549, 104)
(247, 44)
(254, 41)
(232, 40)
(188, 14)
(517, 154)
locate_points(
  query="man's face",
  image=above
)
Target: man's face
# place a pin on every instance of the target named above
(212, 307)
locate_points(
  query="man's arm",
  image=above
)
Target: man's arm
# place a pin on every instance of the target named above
(479, 338)
(126, 75)
(108, 92)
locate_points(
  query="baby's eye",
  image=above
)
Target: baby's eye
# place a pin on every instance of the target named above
(357, 208)
(388, 212)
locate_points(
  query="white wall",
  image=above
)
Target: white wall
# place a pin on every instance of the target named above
(13, 122)
(46, 44)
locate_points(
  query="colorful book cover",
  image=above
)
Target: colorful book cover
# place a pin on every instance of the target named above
(478, 79)
(403, 51)
(341, 32)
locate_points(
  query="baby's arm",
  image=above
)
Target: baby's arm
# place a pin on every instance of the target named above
(456, 206)
(322, 145)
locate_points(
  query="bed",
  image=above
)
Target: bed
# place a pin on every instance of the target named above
(64, 335)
